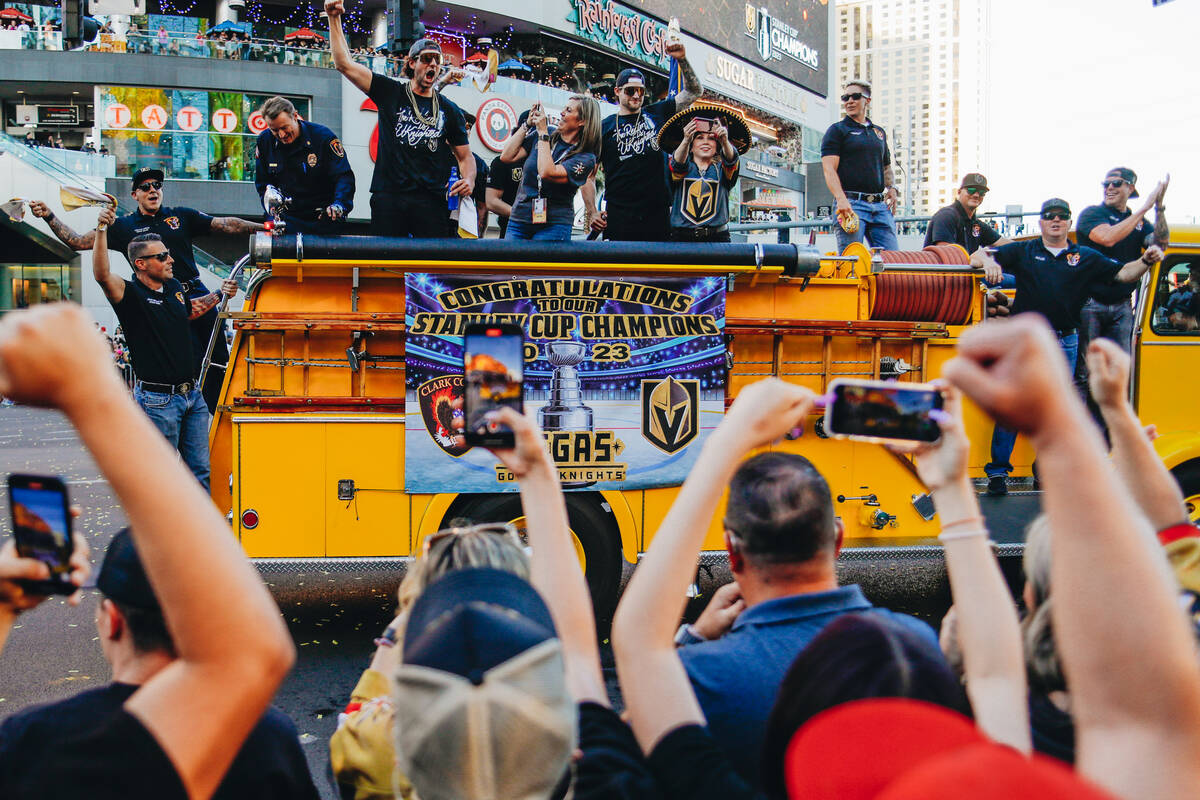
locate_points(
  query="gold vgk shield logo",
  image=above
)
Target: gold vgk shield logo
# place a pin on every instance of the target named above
(670, 413)
(699, 200)
(751, 18)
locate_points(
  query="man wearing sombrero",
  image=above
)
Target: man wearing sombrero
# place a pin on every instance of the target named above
(706, 139)
(637, 190)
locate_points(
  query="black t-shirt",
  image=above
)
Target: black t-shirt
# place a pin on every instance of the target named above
(1055, 286)
(178, 227)
(1128, 249)
(1053, 729)
(863, 153)
(951, 224)
(506, 178)
(413, 156)
(157, 332)
(635, 170)
(612, 764)
(560, 197)
(479, 191)
(89, 746)
(689, 766)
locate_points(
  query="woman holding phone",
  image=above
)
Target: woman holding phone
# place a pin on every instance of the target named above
(557, 162)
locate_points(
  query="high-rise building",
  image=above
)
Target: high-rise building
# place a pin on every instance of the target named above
(928, 65)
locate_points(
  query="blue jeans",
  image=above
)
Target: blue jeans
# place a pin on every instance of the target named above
(874, 222)
(184, 420)
(542, 232)
(1003, 439)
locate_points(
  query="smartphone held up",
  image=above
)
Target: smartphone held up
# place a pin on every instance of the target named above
(494, 376)
(883, 411)
(41, 521)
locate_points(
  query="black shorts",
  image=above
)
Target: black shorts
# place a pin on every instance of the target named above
(638, 225)
(421, 215)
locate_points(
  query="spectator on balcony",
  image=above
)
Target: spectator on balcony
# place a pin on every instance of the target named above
(160, 43)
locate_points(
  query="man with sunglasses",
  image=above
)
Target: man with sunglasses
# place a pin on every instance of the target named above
(637, 184)
(857, 166)
(957, 223)
(422, 135)
(155, 313)
(178, 227)
(1054, 277)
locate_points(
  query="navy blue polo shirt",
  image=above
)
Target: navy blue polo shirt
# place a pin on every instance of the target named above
(737, 677)
(863, 153)
(312, 169)
(951, 224)
(178, 227)
(1128, 249)
(1055, 286)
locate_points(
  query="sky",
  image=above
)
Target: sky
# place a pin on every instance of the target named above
(1081, 86)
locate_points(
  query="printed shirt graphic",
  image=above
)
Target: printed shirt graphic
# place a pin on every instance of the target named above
(701, 200)
(635, 170)
(177, 226)
(414, 156)
(560, 197)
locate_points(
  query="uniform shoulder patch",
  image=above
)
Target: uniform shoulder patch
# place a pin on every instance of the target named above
(879, 133)
(179, 297)
(336, 147)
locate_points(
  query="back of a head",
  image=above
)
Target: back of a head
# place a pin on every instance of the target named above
(122, 580)
(857, 656)
(1037, 629)
(468, 546)
(780, 510)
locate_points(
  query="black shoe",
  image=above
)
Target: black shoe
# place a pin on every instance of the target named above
(997, 486)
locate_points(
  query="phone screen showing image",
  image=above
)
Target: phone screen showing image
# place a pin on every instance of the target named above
(879, 410)
(42, 522)
(494, 376)
(703, 124)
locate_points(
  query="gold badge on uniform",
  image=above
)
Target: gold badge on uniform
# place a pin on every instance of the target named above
(670, 413)
(699, 200)
(179, 297)
(312, 159)
(336, 147)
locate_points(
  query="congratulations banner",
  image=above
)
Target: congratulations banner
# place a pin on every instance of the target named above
(625, 377)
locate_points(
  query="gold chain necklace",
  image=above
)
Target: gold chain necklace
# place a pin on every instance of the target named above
(433, 107)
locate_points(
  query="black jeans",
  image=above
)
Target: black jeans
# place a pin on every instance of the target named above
(637, 226)
(421, 215)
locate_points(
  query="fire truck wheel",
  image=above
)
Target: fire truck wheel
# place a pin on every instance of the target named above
(1188, 476)
(597, 541)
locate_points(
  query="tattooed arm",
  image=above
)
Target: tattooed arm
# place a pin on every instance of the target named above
(889, 187)
(691, 86)
(202, 305)
(62, 230)
(235, 225)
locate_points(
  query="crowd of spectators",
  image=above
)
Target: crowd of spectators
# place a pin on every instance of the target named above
(489, 684)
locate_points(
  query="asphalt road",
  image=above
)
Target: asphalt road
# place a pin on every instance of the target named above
(53, 651)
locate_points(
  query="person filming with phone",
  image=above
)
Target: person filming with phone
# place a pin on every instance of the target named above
(704, 168)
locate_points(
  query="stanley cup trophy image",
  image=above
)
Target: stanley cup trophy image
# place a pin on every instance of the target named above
(565, 411)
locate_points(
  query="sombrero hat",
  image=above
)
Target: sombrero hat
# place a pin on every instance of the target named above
(671, 133)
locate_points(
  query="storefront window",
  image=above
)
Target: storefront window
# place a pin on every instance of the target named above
(24, 285)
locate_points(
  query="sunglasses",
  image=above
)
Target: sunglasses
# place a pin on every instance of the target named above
(429, 58)
(163, 256)
(1115, 183)
(148, 185)
(1059, 215)
(976, 190)
(505, 529)
(854, 96)
(633, 91)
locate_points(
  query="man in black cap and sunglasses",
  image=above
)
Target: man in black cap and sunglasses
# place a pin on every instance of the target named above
(422, 136)
(178, 227)
(957, 222)
(1055, 277)
(637, 185)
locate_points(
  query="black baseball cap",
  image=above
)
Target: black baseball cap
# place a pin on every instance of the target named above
(1056, 202)
(974, 180)
(145, 173)
(423, 45)
(631, 76)
(122, 577)
(1125, 174)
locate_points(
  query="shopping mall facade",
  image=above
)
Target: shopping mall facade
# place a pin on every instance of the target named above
(164, 94)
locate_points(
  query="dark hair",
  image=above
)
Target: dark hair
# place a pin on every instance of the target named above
(780, 509)
(147, 628)
(137, 245)
(857, 656)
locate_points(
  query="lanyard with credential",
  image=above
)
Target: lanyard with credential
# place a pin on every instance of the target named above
(557, 161)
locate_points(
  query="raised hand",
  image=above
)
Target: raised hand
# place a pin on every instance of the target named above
(1108, 373)
(334, 8)
(765, 411)
(944, 462)
(529, 453)
(53, 356)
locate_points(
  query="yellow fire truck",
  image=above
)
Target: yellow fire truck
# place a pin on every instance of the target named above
(309, 443)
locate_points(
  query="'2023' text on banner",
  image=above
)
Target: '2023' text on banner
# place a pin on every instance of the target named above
(625, 376)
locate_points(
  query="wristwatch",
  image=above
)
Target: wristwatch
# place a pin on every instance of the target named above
(544, 137)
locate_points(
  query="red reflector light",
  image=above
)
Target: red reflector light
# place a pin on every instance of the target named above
(493, 331)
(269, 225)
(249, 519)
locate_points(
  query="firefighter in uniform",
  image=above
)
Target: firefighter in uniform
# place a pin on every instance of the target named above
(307, 163)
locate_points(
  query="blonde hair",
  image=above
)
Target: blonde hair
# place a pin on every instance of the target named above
(1037, 631)
(588, 138)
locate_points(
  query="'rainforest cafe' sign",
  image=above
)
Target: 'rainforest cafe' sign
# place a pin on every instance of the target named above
(619, 28)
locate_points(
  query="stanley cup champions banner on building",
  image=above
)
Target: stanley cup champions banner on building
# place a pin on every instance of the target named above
(625, 376)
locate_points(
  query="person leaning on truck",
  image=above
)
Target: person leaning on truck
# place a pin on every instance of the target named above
(858, 171)
(1055, 277)
(958, 224)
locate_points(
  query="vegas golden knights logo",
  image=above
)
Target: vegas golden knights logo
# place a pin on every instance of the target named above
(751, 18)
(699, 200)
(670, 413)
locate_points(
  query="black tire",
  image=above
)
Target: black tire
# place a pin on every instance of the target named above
(590, 522)
(1187, 475)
